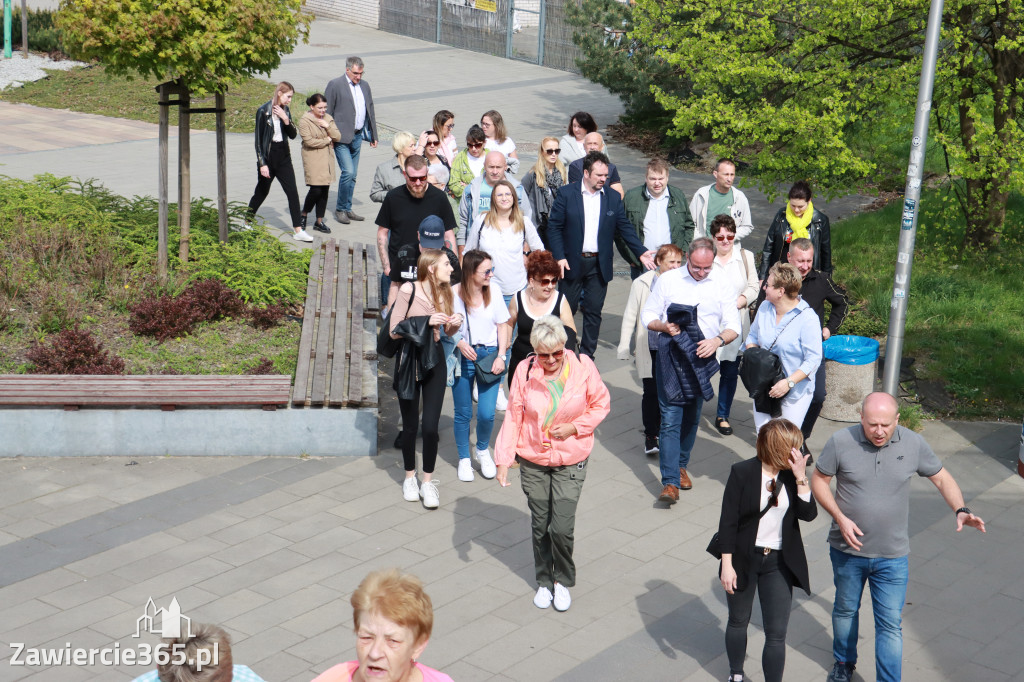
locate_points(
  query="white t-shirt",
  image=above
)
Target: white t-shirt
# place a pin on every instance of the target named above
(506, 147)
(481, 324)
(505, 247)
(476, 164)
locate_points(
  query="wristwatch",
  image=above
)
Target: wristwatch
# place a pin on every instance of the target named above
(791, 384)
(803, 481)
(965, 510)
(719, 337)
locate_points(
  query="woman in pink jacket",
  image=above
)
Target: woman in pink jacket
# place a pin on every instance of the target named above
(556, 401)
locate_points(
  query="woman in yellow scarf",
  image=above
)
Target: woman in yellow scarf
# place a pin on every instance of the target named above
(797, 219)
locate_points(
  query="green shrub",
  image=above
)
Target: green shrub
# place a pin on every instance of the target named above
(43, 36)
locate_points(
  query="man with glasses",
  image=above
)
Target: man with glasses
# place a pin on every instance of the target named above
(402, 211)
(476, 198)
(594, 142)
(719, 323)
(659, 213)
(350, 103)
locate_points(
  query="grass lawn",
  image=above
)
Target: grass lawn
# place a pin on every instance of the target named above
(91, 90)
(965, 320)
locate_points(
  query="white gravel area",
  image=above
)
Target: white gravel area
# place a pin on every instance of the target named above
(17, 70)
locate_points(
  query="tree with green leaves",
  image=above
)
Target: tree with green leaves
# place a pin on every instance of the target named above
(208, 45)
(825, 90)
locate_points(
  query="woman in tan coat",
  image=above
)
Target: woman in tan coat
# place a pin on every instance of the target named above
(318, 133)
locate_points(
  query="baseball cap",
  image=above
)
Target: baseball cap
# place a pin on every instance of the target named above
(432, 233)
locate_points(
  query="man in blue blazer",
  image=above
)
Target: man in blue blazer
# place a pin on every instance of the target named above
(582, 225)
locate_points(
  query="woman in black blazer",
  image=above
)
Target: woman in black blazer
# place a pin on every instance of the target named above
(765, 553)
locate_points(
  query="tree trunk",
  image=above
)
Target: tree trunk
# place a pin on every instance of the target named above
(184, 173)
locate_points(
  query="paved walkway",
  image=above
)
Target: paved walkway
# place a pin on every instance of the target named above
(271, 548)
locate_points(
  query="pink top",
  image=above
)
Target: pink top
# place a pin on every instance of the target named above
(420, 306)
(343, 673)
(448, 148)
(585, 403)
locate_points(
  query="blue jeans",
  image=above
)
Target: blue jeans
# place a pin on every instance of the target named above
(678, 434)
(730, 371)
(348, 160)
(887, 579)
(462, 396)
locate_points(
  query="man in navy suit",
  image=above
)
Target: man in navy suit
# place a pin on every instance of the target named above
(582, 225)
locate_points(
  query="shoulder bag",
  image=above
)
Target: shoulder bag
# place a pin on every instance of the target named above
(485, 364)
(387, 346)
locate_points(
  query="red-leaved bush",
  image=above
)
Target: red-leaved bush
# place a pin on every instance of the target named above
(265, 366)
(266, 317)
(73, 351)
(167, 318)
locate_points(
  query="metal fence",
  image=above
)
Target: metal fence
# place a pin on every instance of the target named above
(530, 30)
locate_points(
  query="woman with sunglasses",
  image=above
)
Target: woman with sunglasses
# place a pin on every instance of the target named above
(468, 163)
(556, 402)
(762, 550)
(540, 297)
(542, 183)
(438, 170)
(736, 267)
(484, 335)
(443, 125)
(668, 257)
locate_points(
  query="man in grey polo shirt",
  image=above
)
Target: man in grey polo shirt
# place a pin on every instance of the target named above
(873, 464)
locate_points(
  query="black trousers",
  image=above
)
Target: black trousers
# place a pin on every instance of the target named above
(774, 585)
(279, 162)
(593, 288)
(431, 389)
(816, 402)
(316, 196)
(650, 409)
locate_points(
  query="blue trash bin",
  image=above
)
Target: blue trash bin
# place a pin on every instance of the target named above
(850, 370)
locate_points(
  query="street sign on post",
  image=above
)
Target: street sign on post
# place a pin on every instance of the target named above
(911, 206)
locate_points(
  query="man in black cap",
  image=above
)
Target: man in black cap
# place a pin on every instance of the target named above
(431, 236)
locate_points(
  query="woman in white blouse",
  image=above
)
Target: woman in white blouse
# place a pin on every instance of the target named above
(738, 267)
(498, 139)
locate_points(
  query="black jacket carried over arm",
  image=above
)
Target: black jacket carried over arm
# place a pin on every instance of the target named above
(417, 356)
(761, 369)
(737, 527)
(776, 244)
(265, 130)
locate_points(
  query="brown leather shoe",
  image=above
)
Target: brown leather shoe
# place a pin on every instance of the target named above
(684, 481)
(669, 494)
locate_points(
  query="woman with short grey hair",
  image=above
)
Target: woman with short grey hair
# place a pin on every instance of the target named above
(556, 401)
(389, 174)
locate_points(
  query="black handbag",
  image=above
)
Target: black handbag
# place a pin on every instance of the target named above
(483, 373)
(387, 346)
(715, 546)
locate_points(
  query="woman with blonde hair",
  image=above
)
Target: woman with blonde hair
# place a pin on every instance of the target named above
(393, 618)
(556, 402)
(319, 133)
(762, 550)
(498, 140)
(274, 127)
(503, 232)
(543, 182)
(421, 309)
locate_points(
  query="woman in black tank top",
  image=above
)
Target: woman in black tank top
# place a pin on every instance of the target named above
(540, 297)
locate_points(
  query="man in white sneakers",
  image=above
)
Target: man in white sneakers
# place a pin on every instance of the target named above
(721, 197)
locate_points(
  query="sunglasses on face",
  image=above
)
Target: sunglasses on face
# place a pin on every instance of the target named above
(486, 273)
(547, 281)
(416, 178)
(557, 355)
(432, 143)
(474, 145)
(724, 237)
(556, 150)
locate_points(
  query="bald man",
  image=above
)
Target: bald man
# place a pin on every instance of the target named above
(476, 198)
(873, 463)
(593, 142)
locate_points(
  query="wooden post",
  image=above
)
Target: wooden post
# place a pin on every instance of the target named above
(24, 29)
(184, 176)
(222, 170)
(161, 249)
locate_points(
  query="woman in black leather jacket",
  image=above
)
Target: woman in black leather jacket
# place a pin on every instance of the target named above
(790, 223)
(273, 124)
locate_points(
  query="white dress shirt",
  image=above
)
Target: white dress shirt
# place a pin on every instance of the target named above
(716, 304)
(591, 218)
(359, 101)
(656, 228)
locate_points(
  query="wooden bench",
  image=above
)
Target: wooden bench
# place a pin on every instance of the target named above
(337, 364)
(167, 392)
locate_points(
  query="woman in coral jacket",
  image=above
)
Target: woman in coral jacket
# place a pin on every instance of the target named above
(556, 401)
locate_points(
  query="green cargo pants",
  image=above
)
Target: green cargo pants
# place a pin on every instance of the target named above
(552, 494)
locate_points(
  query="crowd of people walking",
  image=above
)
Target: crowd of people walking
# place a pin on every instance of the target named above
(483, 275)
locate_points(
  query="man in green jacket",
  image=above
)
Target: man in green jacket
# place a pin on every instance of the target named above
(660, 214)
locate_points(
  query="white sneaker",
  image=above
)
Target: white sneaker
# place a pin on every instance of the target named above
(411, 490)
(502, 403)
(487, 468)
(542, 599)
(301, 236)
(431, 500)
(562, 598)
(466, 470)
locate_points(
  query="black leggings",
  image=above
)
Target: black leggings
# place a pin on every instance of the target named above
(279, 162)
(774, 585)
(432, 388)
(316, 196)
